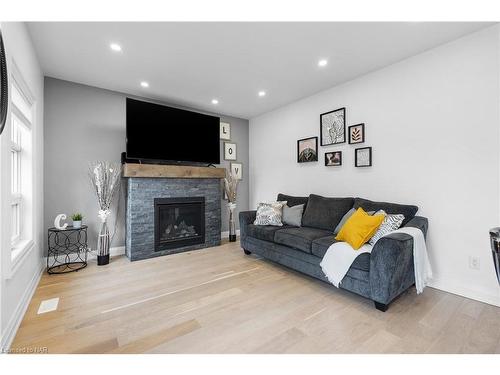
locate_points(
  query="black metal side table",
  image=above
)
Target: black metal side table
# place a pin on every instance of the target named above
(67, 249)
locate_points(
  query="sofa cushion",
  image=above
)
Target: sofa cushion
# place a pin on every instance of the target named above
(293, 201)
(299, 238)
(321, 245)
(408, 211)
(325, 213)
(263, 232)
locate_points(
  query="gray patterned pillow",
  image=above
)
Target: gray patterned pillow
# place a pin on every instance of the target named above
(390, 223)
(270, 213)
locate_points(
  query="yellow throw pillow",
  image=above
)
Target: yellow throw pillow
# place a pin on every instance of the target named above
(359, 228)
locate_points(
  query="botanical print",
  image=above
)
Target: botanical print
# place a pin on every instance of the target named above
(332, 127)
(307, 150)
(363, 157)
(357, 133)
(333, 159)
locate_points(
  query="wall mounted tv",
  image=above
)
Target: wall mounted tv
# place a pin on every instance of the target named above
(160, 133)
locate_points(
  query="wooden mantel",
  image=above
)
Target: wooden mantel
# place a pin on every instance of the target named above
(171, 171)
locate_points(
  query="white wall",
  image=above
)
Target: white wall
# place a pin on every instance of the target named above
(433, 123)
(17, 283)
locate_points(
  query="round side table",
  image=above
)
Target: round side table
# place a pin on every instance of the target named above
(67, 249)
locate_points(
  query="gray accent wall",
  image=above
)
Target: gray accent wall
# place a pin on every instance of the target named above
(84, 124)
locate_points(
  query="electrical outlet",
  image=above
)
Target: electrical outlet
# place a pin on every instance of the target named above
(474, 263)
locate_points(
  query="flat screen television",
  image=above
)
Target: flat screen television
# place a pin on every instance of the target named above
(160, 133)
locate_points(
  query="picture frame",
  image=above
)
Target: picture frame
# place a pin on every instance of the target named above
(225, 131)
(356, 133)
(237, 168)
(332, 127)
(333, 159)
(229, 151)
(363, 157)
(307, 150)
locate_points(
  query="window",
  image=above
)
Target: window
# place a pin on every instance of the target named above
(21, 122)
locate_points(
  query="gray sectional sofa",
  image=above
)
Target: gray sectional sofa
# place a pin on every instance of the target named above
(381, 275)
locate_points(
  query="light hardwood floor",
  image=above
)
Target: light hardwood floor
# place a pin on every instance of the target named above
(219, 300)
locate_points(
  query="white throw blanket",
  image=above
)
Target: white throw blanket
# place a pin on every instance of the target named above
(340, 256)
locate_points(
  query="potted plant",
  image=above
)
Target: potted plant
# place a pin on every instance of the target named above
(77, 220)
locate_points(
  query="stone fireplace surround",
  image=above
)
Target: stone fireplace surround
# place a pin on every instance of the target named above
(142, 191)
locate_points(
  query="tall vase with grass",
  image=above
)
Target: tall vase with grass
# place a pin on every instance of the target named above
(231, 186)
(105, 179)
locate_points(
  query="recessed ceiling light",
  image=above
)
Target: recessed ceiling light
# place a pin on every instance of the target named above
(323, 62)
(144, 84)
(215, 101)
(262, 93)
(115, 47)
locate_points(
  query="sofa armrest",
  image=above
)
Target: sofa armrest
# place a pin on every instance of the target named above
(391, 263)
(419, 222)
(246, 218)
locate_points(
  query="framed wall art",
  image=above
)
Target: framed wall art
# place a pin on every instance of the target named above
(333, 159)
(332, 127)
(237, 169)
(363, 157)
(307, 150)
(229, 151)
(225, 131)
(356, 133)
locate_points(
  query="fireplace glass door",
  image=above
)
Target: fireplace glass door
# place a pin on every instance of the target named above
(179, 222)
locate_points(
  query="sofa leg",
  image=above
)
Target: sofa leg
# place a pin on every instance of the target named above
(381, 306)
(247, 252)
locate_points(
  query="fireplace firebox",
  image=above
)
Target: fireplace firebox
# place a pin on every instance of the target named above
(179, 222)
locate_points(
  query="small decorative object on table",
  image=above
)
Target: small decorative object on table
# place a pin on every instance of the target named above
(67, 249)
(77, 220)
(230, 187)
(105, 179)
(495, 249)
(57, 222)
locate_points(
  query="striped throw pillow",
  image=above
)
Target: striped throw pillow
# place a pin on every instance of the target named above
(390, 223)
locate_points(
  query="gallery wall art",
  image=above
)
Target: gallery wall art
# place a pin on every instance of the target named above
(225, 131)
(307, 150)
(363, 157)
(332, 127)
(356, 133)
(333, 159)
(229, 151)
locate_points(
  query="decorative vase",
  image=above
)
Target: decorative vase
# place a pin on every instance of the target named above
(495, 249)
(103, 241)
(232, 226)
(77, 224)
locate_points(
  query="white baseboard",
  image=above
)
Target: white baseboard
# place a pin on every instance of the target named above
(465, 291)
(226, 233)
(22, 306)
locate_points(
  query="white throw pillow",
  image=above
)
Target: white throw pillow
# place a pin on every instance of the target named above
(390, 224)
(270, 213)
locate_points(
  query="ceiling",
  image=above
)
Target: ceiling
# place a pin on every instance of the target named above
(190, 64)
